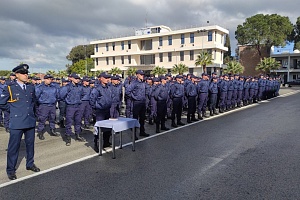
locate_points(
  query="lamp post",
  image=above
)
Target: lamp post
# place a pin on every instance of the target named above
(85, 61)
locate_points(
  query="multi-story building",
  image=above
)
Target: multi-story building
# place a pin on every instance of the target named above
(160, 46)
(290, 65)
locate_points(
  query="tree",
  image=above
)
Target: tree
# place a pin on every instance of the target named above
(268, 64)
(62, 73)
(264, 31)
(82, 67)
(234, 67)
(80, 53)
(131, 71)
(115, 71)
(180, 69)
(51, 72)
(158, 71)
(204, 59)
(295, 35)
(4, 72)
(227, 44)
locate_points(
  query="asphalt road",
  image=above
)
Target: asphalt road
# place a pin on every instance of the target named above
(250, 153)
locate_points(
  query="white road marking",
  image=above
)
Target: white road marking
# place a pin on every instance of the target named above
(216, 161)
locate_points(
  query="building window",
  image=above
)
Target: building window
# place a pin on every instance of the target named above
(129, 59)
(222, 36)
(209, 36)
(192, 38)
(294, 76)
(107, 61)
(181, 55)
(192, 55)
(96, 47)
(122, 60)
(160, 39)
(182, 38)
(129, 44)
(96, 61)
(122, 45)
(170, 39)
(170, 56)
(215, 35)
(114, 60)
(161, 57)
(113, 46)
(221, 55)
(107, 47)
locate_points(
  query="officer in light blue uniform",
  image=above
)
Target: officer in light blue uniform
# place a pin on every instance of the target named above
(47, 96)
(72, 94)
(18, 99)
(101, 99)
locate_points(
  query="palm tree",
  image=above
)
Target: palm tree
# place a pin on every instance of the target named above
(51, 72)
(234, 67)
(115, 71)
(62, 73)
(267, 64)
(204, 58)
(158, 71)
(180, 69)
(131, 71)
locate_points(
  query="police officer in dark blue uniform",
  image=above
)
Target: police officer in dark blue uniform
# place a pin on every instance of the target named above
(116, 89)
(137, 91)
(47, 95)
(191, 94)
(19, 99)
(5, 117)
(12, 79)
(223, 88)
(213, 93)
(101, 101)
(202, 88)
(177, 93)
(85, 106)
(62, 106)
(72, 93)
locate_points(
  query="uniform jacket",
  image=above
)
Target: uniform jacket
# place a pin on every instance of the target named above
(101, 97)
(21, 111)
(71, 93)
(46, 94)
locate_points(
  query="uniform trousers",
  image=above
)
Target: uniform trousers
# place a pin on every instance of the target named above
(103, 114)
(115, 110)
(213, 101)
(161, 113)
(223, 97)
(191, 105)
(14, 146)
(62, 110)
(46, 111)
(234, 97)
(229, 97)
(139, 112)
(86, 111)
(177, 109)
(202, 102)
(5, 118)
(73, 114)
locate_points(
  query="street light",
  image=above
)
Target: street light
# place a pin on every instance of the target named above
(85, 60)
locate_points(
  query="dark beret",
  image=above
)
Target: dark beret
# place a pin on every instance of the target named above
(155, 79)
(104, 75)
(74, 75)
(178, 76)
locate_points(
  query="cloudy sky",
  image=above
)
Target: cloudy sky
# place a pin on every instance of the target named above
(42, 32)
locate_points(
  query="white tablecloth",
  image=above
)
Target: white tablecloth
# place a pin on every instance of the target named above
(118, 125)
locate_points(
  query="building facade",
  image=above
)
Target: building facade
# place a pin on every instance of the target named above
(290, 65)
(160, 46)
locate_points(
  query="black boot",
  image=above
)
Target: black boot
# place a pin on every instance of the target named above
(79, 138)
(62, 124)
(164, 128)
(215, 112)
(205, 115)
(221, 110)
(53, 132)
(173, 124)
(211, 113)
(180, 123)
(68, 140)
(157, 128)
(193, 118)
(200, 117)
(151, 122)
(41, 135)
(188, 119)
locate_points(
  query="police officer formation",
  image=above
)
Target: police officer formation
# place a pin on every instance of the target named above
(83, 101)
